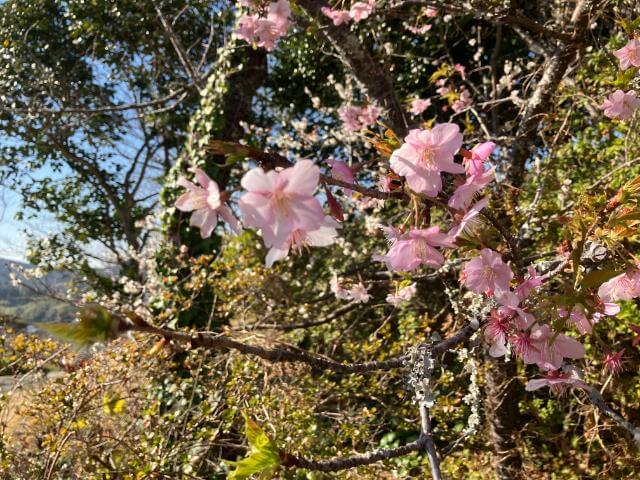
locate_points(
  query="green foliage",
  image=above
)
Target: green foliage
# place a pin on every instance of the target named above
(263, 456)
(95, 324)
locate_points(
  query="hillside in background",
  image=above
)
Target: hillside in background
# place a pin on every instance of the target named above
(28, 307)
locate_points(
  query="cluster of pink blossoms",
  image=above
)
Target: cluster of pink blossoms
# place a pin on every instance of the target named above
(357, 293)
(421, 160)
(359, 11)
(281, 204)
(625, 286)
(262, 30)
(403, 294)
(621, 105)
(357, 118)
(419, 105)
(425, 154)
(414, 248)
(477, 177)
(510, 325)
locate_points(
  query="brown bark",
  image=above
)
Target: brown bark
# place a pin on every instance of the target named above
(503, 392)
(242, 88)
(541, 101)
(374, 79)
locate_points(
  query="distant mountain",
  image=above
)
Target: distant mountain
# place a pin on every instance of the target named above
(28, 307)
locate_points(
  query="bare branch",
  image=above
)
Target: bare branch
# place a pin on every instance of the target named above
(177, 45)
(219, 342)
(344, 463)
(596, 398)
(213, 341)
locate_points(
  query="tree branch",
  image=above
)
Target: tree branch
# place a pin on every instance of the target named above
(344, 463)
(219, 342)
(429, 445)
(539, 104)
(372, 76)
(596, 398)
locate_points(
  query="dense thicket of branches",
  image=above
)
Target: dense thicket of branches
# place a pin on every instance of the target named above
(105, 105)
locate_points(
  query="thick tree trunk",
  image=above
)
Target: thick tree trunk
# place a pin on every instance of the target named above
(503, 392)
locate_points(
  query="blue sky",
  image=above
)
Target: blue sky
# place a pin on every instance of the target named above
(12, 241)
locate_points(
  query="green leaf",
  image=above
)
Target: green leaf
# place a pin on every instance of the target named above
(263, 456)
(113, 404)
(95, 324)
(443, 71)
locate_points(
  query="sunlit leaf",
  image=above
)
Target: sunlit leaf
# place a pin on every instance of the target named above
(263, 456)
(95, 324)
(113, 404)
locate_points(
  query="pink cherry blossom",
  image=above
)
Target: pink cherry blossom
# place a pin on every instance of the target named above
(495, 333)
(463, 102)
(549, 348)
(629, 55)
(467, 218)
(299, 238)
(625, 286)
(431, 12)
(349, 117)
(266, 34)
(463, 195)
(521, 343)
(338, 17)
(265, 31)
(605, 309)
(279, 13)
(368, 115)
(579, 318)
(620, 105)
(478, 154)
(280, 202)
(358, 293)
(487, 273)
(361, 10)
(341, 171)
(527, 286)
(403, 295)
(356, 118)
(206, 204)
(415, 248)
(338, 290)
(613, 362)
(419, 105)
(510, 307)
(461, 70)
(420, 30)
(557, 381)
(247, 25)
(425, 154)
